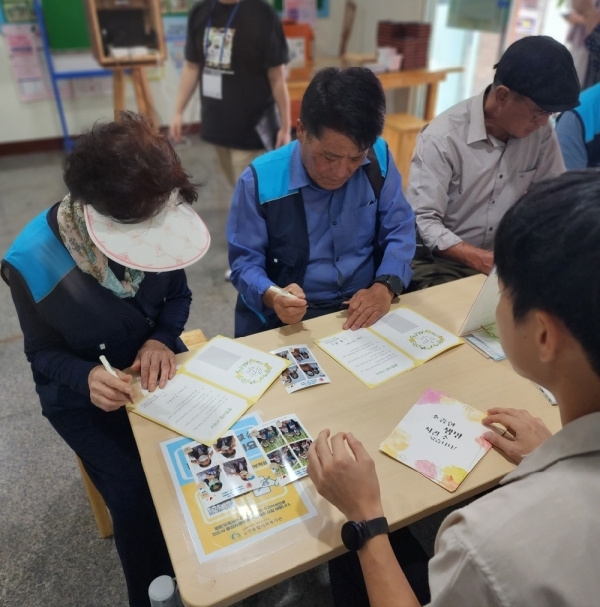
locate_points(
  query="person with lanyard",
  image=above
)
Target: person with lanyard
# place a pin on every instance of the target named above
(324, 217)
(101, 274)
(237, 50)
(475, 160)
(533, 541)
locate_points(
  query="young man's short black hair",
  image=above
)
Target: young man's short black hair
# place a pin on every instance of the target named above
(547, 252)
(350, 101)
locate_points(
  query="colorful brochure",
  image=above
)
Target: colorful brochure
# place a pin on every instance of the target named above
(398, 342)
(224, 529)
(284, 442)
(221, 470)
(304, 370)
(439, 437)
(479, 328)
(212, 389)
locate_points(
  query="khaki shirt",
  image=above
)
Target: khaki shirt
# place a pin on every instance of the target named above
(535, 541)
(463, 180)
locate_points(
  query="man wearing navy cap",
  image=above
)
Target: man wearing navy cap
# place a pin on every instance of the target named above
(475, 160)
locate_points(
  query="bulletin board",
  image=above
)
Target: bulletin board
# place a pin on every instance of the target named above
(66, 25)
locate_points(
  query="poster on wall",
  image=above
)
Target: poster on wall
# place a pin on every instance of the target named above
(300, 11)
(479, 15)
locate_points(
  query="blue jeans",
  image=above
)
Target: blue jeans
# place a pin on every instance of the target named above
(105, 444)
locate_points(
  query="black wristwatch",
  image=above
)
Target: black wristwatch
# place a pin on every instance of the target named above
(355, 535)
(393, 283)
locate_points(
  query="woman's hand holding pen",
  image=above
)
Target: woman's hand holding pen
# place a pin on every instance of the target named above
(107, 392)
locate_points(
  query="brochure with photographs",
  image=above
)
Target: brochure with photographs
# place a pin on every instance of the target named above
(284, 442)
(304, 370)
(221, 470)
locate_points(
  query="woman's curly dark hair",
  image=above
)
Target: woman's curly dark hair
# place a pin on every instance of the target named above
(126, 170)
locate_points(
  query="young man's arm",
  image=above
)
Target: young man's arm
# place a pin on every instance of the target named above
(351, 485)
(189, 81)
(282, 99)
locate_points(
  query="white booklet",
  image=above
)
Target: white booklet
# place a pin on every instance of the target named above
(479, 328)
(398, 342)
(212, 390)
(441, 438)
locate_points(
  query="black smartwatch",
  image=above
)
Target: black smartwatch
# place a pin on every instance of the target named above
(393, 283)
(355, 535)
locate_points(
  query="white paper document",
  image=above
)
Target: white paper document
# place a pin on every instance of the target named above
(212, 390)
(398, 342)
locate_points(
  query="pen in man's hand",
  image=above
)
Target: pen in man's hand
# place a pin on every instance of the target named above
(285, 293)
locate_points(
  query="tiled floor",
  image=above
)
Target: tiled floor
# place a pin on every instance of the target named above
(50, 551)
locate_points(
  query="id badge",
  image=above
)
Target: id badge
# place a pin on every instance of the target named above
(212, 83)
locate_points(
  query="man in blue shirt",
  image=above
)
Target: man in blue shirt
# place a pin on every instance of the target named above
(578, 131)
(323, 217)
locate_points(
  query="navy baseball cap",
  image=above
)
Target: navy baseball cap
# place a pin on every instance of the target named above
(542, 69)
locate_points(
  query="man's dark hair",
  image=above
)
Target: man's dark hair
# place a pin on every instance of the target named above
(126, 169)
(349, 101)
(547, 252)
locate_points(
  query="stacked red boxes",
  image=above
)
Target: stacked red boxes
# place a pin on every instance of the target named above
(409, 39)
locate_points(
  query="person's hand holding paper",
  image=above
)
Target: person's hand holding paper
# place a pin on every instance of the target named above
(527, 432)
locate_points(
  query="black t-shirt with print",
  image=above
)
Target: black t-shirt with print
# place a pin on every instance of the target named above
(258, 43)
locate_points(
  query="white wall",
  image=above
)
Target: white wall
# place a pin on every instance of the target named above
(20, 121)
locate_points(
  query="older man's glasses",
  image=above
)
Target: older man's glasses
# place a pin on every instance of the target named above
(537, 114)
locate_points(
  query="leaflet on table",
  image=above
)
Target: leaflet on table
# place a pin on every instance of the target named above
(439, 437)
(304, 370)
(219, 529)
(486, 340)
(479, 328)
(221, 470)
(212, 389)
(284, 442)
(396, 343)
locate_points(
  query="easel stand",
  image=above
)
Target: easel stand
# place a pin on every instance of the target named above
(143, 94)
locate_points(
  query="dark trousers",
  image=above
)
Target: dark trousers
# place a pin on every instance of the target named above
(347, 581)
(105, 444)
(431, 270)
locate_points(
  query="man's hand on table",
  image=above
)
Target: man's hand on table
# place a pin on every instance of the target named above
(367, 306)
(474, 257)
(527, 432)
(154, 360)
(289, 310)
(107, 392)
(349, 483)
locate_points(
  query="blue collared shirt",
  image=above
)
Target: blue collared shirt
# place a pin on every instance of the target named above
(341, 225)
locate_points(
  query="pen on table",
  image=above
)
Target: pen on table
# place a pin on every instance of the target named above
(112, 372)
(285, 293)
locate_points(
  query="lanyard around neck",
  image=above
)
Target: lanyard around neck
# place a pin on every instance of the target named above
(209, 24)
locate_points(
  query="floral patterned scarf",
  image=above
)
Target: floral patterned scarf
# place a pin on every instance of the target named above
(87, 256)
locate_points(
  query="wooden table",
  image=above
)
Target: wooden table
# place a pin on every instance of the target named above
(345, 404)
(300, 78)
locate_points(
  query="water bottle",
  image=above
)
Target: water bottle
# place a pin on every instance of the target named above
(163, 592)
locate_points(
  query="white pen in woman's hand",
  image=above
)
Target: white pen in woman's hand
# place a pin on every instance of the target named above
(107, 366)
(282, 292)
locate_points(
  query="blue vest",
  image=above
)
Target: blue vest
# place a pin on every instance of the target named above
(288, 248)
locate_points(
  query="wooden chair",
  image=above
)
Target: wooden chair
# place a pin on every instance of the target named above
(400, 132)
(193, 340)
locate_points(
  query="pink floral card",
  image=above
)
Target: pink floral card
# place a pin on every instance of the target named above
(439, 437)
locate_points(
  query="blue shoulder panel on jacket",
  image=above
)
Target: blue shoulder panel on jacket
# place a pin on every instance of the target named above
(273, 173)
(588, 111)
(381, 151)
(40, 257)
